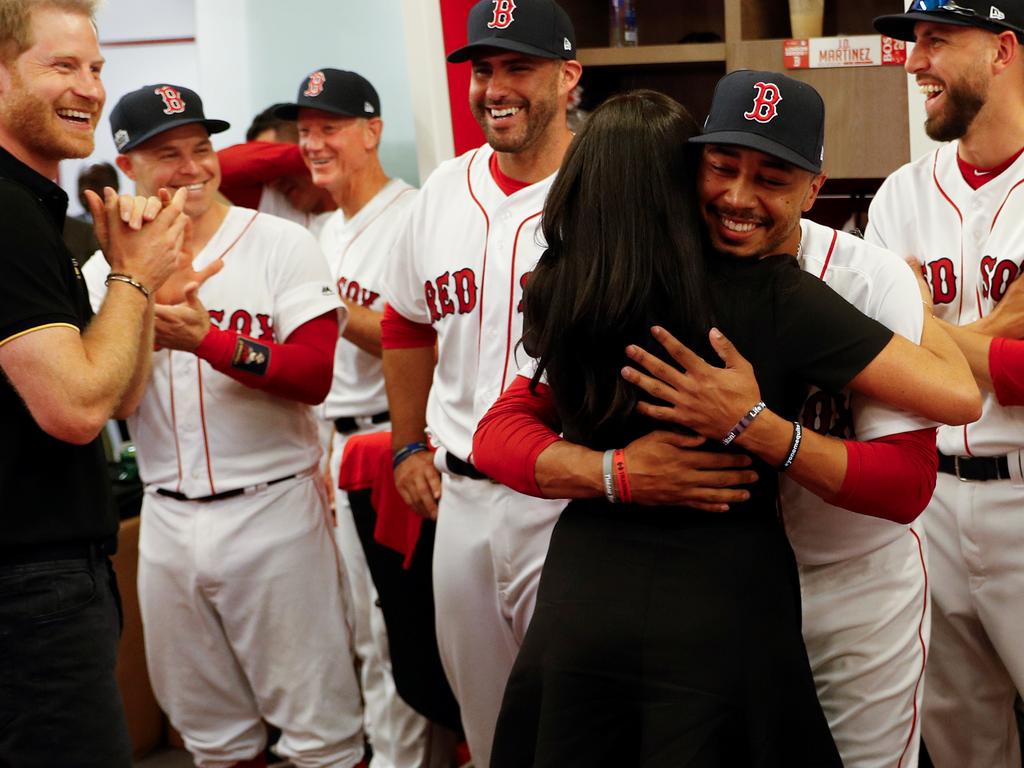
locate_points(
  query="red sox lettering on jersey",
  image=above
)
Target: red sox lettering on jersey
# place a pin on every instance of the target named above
(173, 103)
(353, 291)
(316, 84)
(503, 10)
(461, 284)
(257, 325)
(766, 103)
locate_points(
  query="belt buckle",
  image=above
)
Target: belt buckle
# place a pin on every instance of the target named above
(956, 470)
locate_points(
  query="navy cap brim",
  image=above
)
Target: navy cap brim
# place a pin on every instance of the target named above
(291, 111)
(900, 26)
(758, 142)
(466, 52)
(212, 126)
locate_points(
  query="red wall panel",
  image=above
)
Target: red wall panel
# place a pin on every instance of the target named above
(465, 130)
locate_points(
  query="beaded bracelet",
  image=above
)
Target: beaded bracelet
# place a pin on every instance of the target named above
(621, 476)
(406, 451)
(609, 478)
(798, 435)
(743, 423)
(120, 277)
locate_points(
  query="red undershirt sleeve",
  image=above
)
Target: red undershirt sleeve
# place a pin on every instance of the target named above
(892, 477)
(245, 168)
(399, 332)
(513, 433)
(1006, 366)
(301, 368)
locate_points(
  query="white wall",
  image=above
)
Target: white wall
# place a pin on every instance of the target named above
(248, 54)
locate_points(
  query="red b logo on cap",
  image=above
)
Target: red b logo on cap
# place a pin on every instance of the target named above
(173, 105)
(502, 14)
(316, 84)
(766, 103)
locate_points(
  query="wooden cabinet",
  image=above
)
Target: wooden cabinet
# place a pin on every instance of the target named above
(687, 45)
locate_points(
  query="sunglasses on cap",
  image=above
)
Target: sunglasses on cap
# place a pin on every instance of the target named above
(942, 5)
(995, 17)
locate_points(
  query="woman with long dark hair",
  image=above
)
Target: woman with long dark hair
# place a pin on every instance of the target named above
(663, 636)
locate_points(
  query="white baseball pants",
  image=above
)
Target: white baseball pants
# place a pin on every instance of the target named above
(243, 619)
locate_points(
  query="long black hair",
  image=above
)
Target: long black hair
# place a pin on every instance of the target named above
(624, 252)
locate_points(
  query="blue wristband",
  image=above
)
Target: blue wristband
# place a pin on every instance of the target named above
(406, 451)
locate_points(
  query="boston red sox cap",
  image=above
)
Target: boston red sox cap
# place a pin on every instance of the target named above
(995, 16)
(153, 109)
(534, 27)
(769, 112)
(334, 90)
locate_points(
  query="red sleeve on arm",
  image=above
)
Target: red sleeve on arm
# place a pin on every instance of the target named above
(1006, 366)
(300, 369)
(513, 433)
(399, 332)
(892, 477)
(245, 168)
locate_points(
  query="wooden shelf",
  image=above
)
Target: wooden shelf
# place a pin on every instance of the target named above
(685, 53)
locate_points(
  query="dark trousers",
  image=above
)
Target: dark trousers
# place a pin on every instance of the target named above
(60, 622)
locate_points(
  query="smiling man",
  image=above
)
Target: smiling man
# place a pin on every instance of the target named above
(238, 579)
(340, 127)
(65, 373)
(959, 211)
(458, 274)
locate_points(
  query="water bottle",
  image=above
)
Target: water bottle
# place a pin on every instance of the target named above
(622, 23)
(128, 465)
(629, 36)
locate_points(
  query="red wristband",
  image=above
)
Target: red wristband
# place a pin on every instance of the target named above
(621, 475)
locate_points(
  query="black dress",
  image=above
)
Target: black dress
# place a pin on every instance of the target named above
(665, 636)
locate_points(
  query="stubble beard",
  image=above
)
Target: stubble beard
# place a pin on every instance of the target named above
(34, 123)
(964, 101)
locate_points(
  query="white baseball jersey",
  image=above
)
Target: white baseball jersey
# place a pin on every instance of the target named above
(198, 431)
(970, 243)
(461, 265)
(357, 252)
(881, 286)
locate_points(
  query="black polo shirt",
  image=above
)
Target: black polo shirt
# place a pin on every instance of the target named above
(51, 492)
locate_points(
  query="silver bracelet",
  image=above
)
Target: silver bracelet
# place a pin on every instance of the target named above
(743, 423)
(610, 492)
(123, 278)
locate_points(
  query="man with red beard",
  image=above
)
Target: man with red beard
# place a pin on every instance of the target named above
(959, 212)
(65, 374)
(458, 273)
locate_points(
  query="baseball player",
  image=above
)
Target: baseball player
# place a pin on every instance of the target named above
(239, 583)
(959, 211)
(339, 127)
(756, 178)
(459, 267)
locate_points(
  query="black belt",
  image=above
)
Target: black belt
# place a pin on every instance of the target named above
(346, 425)
(67, 550)
(975, 467)
(223, 494)
(459, 467)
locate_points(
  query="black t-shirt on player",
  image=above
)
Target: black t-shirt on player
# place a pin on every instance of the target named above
(51, 491)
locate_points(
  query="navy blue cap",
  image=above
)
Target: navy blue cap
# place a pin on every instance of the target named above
(995, 17)
(534, 27)
(152, 109)
(334, 90)
(769, 112)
